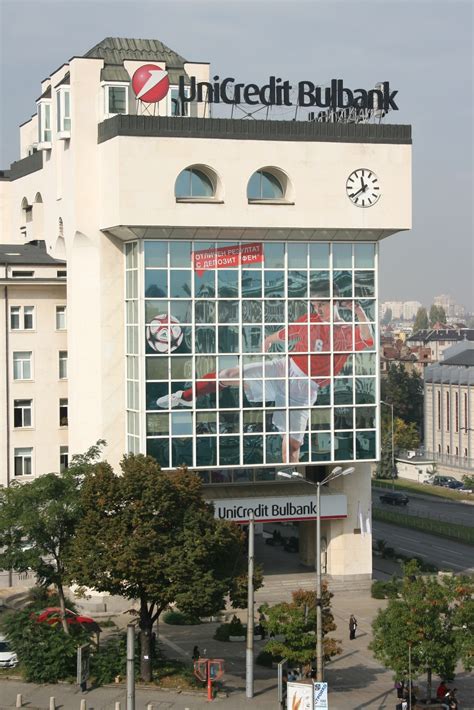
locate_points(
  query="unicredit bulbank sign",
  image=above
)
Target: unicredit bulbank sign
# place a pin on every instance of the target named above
(280, 508)
(150, 84)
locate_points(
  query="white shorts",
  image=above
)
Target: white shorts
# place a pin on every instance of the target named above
(302, 392)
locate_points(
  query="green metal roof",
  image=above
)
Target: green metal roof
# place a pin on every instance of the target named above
(115, 72)
(114, 50)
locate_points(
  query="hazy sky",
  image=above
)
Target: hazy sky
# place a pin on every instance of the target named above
(423, 47)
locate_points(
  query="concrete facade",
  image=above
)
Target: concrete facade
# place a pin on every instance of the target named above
(449, 411)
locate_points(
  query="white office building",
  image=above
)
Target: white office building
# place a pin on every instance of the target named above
(221, 289)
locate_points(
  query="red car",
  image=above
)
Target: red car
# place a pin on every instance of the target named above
(52, 616)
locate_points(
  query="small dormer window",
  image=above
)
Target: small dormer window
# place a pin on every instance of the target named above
(63, 112)
(115, 99)
(44, 124)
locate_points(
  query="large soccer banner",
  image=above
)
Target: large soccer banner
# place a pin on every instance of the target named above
(259, 354)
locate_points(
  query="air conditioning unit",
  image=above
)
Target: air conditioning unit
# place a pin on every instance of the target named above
(33, 148)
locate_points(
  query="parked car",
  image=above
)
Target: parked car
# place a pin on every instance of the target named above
(8, 657)
(394, 498)
(458, 486)
(52, 616)
(441, 480)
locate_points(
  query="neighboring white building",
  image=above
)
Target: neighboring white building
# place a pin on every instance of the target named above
(401, 310)
(449, 410)
(221, 284)
(410, 309)
(451, 308)
(33, 389)
(396, 308)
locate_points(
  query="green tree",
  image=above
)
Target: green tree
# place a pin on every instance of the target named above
(387, 317)
(430, 618)
(421, 320)
(406, 436)
(385, 469)
(296, 622)
(38, 521)
(405, 391)
(150, 536)
(437, 315)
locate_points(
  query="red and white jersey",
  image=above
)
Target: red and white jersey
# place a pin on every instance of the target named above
(313, 336)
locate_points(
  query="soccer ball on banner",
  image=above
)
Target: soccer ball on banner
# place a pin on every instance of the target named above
(164, 334)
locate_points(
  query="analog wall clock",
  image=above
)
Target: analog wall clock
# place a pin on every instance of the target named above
(363, 188)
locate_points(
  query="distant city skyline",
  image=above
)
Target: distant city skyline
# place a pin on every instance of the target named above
(424, 50)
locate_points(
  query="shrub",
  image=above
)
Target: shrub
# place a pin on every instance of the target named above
(46, 653)
(264, 658)
(378, 589)
(222, 633)
(111, 660)
(178, 618)
(388, 589)
(234, 628)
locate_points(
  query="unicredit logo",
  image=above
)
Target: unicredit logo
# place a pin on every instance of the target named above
(150, 83)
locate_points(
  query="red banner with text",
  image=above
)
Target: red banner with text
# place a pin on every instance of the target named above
(227, 257)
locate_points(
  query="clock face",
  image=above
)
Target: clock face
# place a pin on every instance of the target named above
(363, 187)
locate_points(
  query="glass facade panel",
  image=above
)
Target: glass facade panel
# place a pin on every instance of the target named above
(249, 345)
(342, 256)
(364, 256)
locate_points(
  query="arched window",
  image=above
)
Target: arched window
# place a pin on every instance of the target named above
(26, 212)
(194, 183)
(264, 185)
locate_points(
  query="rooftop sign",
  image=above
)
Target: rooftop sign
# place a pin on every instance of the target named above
(151, 84)
(278, 93)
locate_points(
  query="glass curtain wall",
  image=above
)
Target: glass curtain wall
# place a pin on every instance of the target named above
(256, 355)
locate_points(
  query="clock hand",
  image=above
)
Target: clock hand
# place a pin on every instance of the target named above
(362, 189)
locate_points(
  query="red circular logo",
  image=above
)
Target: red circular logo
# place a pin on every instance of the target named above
(150, 83)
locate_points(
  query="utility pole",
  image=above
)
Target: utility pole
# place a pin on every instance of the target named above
(319, 615)
(130, 667)
(249, 649)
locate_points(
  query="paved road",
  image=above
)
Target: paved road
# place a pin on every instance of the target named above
(430, 507)
(447, 554)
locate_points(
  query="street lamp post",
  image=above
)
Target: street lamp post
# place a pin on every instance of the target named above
(335, 473)
(388, 404)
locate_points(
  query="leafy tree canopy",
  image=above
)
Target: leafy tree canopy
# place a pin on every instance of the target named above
(296, 622)
(38, 522)
(405, 391)
(437, 315)
(431, 617)
(151, 536)
(387, 316)
(421, 320)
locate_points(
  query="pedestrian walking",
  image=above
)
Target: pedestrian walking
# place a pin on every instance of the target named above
(352, 627)
(196, 655)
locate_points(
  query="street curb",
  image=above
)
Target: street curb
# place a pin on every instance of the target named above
(122, 686)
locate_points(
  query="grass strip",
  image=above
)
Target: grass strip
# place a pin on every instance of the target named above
(424, 488)
(453, 531)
